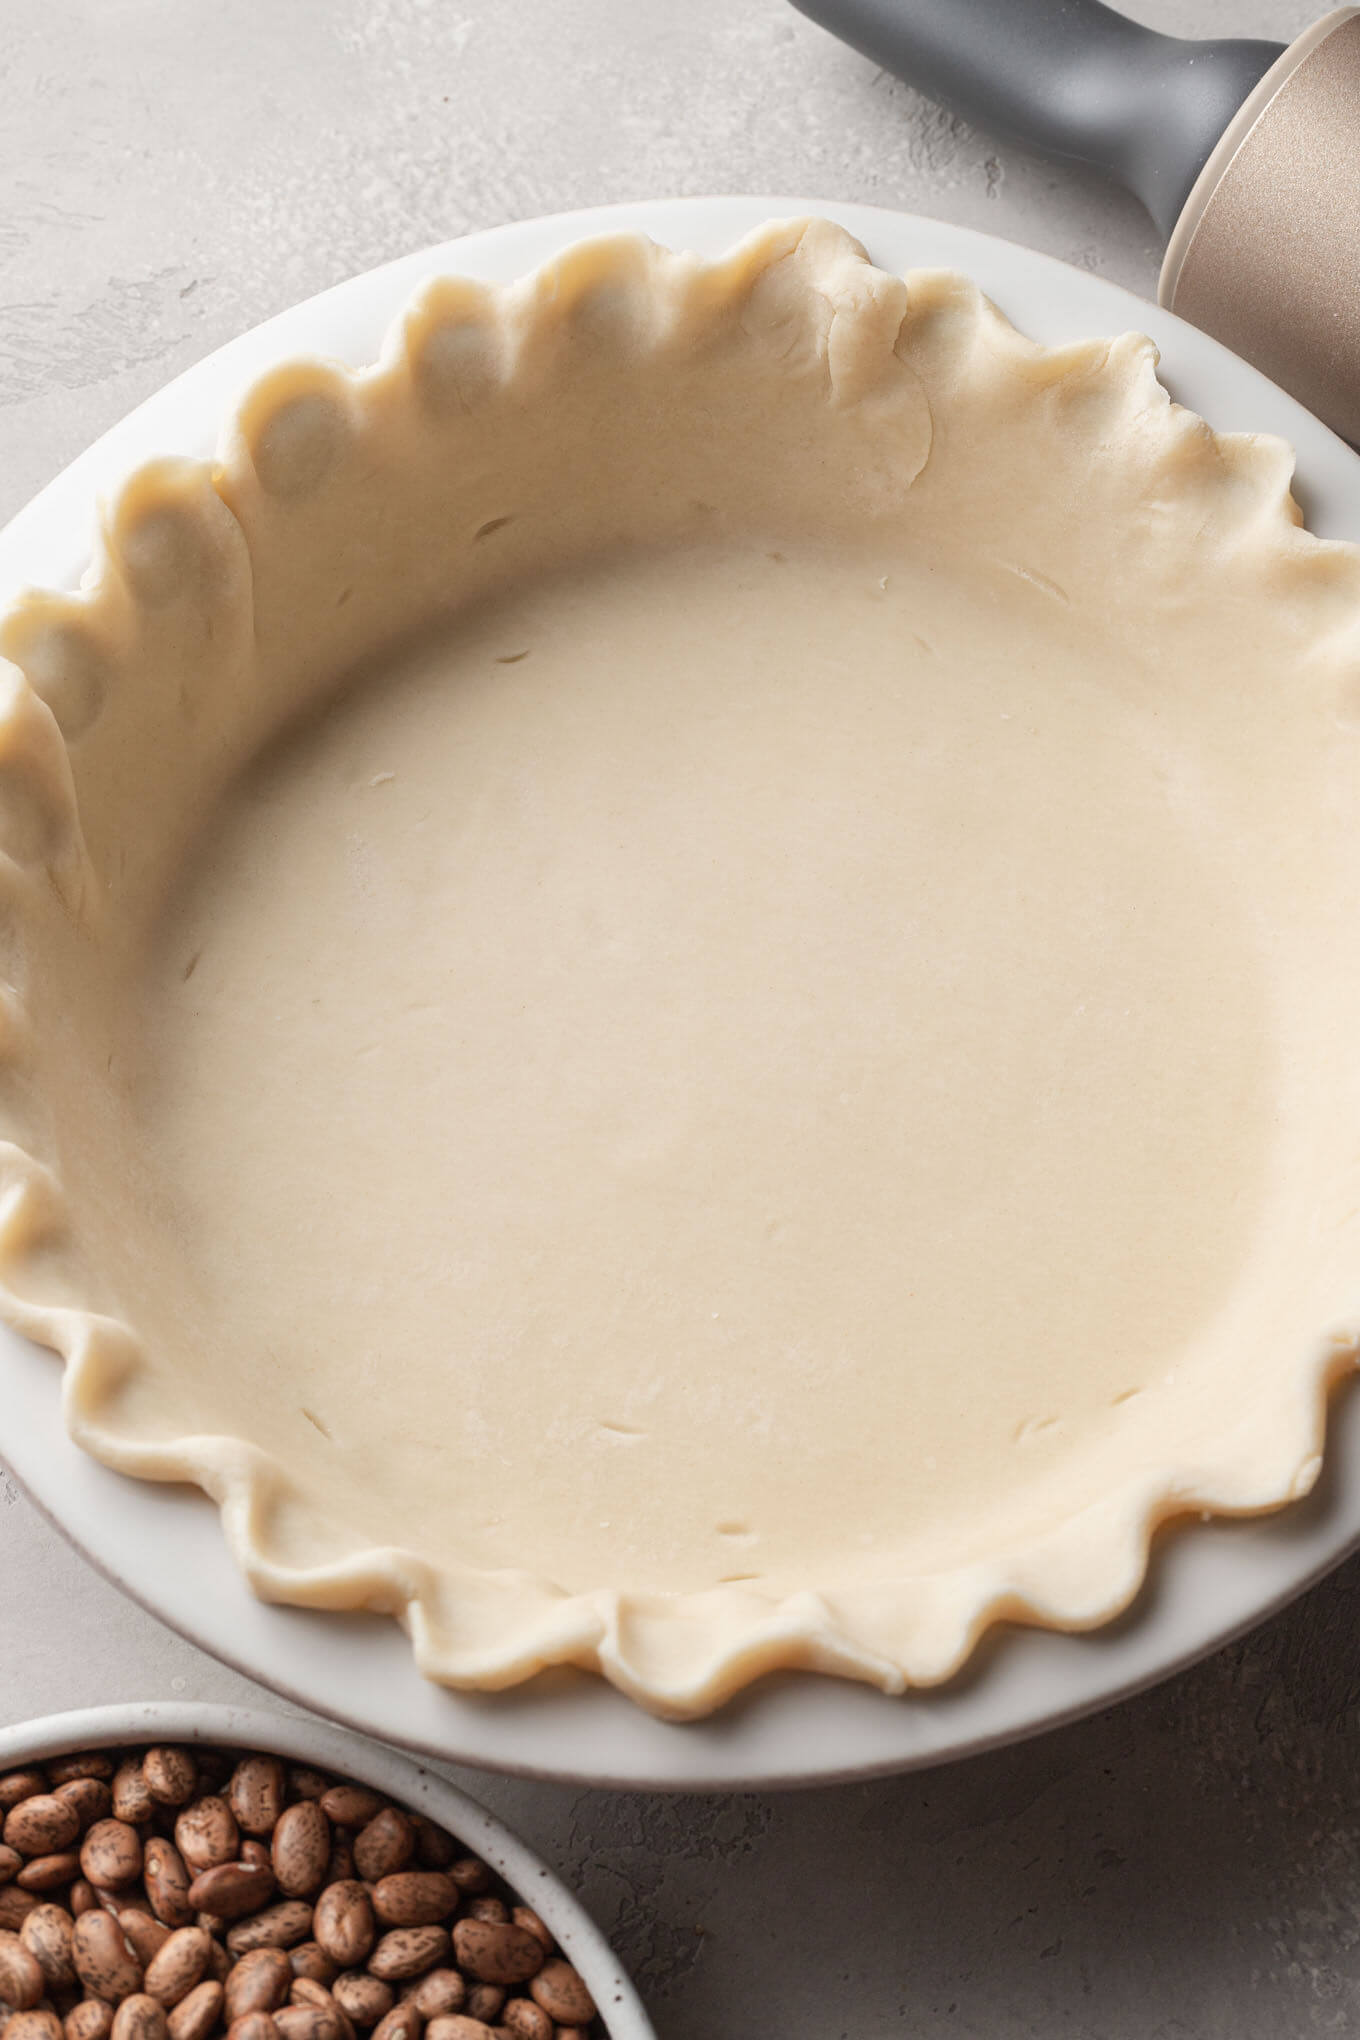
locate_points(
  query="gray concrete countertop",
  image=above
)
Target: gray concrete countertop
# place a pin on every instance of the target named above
(1185, 1867)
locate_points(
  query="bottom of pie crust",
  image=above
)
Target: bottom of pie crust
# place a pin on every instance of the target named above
(714, 1069)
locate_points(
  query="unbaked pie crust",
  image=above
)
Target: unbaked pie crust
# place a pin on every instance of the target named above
(682, 974)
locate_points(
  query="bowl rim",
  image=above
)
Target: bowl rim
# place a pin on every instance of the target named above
(304, 1739)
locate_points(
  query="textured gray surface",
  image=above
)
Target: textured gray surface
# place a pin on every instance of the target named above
(1186, 1867)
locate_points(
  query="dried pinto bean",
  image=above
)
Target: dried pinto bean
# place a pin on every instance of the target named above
(278, 1926)
(171, 1775)
(409, 1951)
(206, 1834)
(471, 1875)
(139, 2018)
(403, 2022)
(42, 2024)
(49, 1873)
(80, 1764)
(167, 1883)
(260, 1982)
(414, 1898)
(308, 2022)
(231, 1890)
(305, 1990)
(386, 1845)
(561, 1991)
(179, 1966)
(301, 1849)
(495, 1952)
(310, 1959)
(443, 1990)
(46, 1934)
(17, 1786)
(524, 1916)
(91, 2019)
(526, 2020)
(104, 1959)
(42, 1825)
(343, 1923)
(132, 1799)
(21, 1977)
(488, 1909)
(111, 1855)
(256, 1794)
(364, 1999)
(195, 2016)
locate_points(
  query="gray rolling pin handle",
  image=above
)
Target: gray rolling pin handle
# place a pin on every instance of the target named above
(1071, 78)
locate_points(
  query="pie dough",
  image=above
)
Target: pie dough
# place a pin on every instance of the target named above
(682, 974)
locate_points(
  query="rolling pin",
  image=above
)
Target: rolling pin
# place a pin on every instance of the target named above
(1246, 154)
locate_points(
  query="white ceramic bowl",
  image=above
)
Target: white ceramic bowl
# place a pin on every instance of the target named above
(163, 1545)
(399, 1777)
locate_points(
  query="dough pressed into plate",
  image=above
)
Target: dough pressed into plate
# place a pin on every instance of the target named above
(680, 974)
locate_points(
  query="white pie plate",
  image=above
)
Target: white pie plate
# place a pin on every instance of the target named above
(163, 1545)
(387, 1771)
